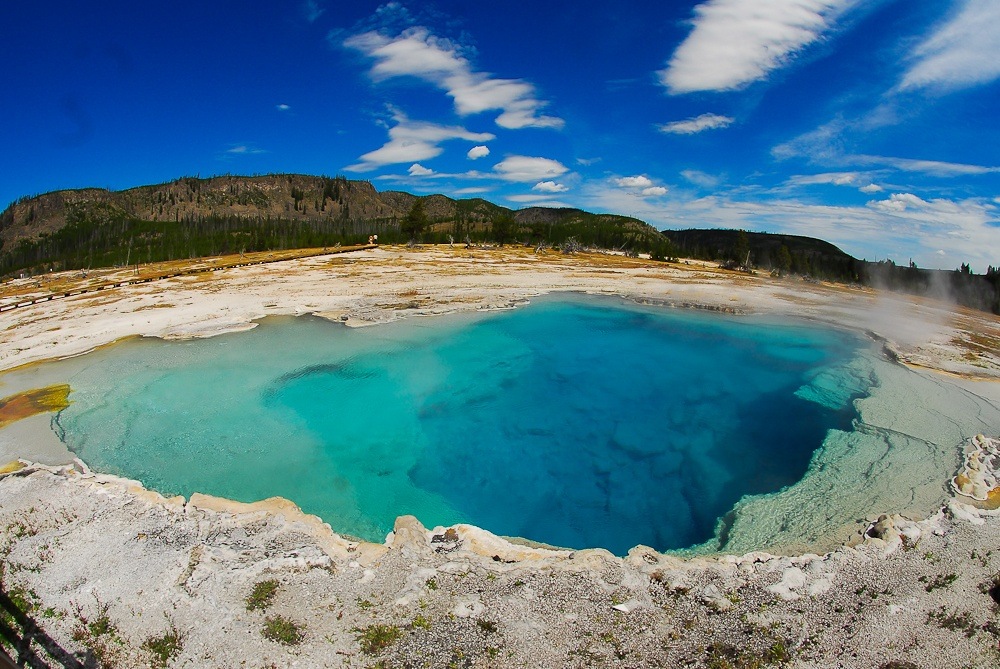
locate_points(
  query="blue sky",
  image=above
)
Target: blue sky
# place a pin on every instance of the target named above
(872, 124)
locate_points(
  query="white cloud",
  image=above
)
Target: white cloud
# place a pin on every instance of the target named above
(736, 42)
(413, 141)
(418, 170)
(899, 202)
(697, 124)
(549, 187)
(638, 181)
(935, 168)
(587, 162)
(527, 169)
(853, 179)
(822, 145)
(538, 200)
(417, 52)
(282, 107)
(639, 185)
(963, 52)
(835, 178)
(699, 178)
(906, 226)
(312, 10)
(478, 152)
(244, 150)
(471, 190)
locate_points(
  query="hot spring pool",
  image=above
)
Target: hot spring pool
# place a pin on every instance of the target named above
(577, 422)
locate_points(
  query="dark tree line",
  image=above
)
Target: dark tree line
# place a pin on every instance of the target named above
(103, 236)
(814, 258)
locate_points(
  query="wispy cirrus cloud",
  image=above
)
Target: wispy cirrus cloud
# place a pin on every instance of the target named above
(824, 146)
(962, 52)
(244, 150)
(312, 11)
(697, 124)
(736, 42)
(701, 179)
(863, 181)
(936, 168)
(537, 200)
(413, 141)
(419, 53)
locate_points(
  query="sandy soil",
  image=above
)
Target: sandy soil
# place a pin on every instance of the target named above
(118, 576)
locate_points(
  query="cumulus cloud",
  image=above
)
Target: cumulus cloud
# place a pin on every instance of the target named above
(477, 152)
(418, 53)
(736, 42)
(413, 141)
(697, 124)
(282, 107)
(638, 181)
(898, 202)
(963, 52)
(525, 169)
(640, 185)
(418, 170)
(871, 188)
(549, 187)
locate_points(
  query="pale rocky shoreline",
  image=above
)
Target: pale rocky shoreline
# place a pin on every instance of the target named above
(84, 546)
(78, 542)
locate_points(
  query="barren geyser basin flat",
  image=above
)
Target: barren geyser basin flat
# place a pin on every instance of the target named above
(621, 408)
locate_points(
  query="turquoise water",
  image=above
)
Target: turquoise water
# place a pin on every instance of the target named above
(574, 422)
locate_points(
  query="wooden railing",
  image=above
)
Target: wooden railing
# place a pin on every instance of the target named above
(31, 646)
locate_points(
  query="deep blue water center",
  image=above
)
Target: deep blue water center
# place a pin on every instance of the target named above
(575, 422)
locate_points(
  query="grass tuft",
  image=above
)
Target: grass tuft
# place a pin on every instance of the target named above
(375, 638)
(262, 595)
(283, 630)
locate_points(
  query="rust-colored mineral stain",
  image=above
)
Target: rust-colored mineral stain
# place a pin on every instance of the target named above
(31, 402)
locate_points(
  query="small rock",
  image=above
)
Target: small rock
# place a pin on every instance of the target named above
(712, 596)
(468, 608)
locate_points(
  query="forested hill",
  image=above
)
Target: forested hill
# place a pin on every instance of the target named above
(193, 217)
(805, 255)
(809, 257)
